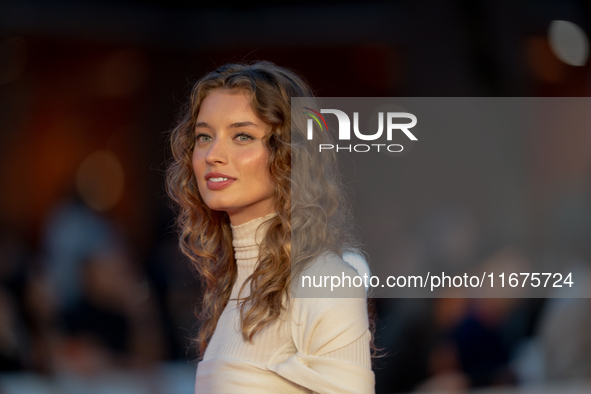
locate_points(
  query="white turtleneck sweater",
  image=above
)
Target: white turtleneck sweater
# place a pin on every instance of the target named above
(319, 345)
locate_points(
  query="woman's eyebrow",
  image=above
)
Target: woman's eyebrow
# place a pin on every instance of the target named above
(202, 125)
(233, 125)
(243, 124)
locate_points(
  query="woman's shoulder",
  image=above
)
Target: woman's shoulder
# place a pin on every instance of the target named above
(328, 262)
(329, 276)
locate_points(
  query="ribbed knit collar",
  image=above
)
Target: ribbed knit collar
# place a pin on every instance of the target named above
(247, 237)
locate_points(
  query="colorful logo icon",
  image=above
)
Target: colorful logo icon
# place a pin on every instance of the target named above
(315, 116)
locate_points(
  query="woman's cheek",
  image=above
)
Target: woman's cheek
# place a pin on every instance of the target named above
(198, 161)
(252, 157)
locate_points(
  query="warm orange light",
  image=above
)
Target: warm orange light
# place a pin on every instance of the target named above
(100, 180)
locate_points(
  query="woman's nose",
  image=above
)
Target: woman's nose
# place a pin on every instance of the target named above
(217, 153)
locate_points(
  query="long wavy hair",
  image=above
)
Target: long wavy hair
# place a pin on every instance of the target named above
(309, 200)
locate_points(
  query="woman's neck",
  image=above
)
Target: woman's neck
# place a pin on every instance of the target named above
(247, 237)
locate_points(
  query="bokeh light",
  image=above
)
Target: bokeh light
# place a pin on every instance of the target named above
(568, 42)
(100, 180)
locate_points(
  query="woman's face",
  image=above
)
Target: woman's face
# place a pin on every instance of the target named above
(230, 161)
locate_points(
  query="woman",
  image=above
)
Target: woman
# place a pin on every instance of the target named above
(259, 209)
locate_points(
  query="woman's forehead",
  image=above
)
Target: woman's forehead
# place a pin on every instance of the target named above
(231, 108)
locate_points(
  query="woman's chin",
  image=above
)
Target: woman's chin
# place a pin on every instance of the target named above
(219, 208)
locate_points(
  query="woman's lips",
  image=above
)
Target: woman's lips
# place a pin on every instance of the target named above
(213, 185)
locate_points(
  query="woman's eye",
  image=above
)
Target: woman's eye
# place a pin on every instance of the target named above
(203, 138)
(243, 137)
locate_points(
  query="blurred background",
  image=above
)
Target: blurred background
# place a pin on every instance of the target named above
(94, 296)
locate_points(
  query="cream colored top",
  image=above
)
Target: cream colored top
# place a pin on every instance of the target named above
(320, 345)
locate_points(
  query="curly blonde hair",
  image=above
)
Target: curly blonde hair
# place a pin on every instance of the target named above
(309, 200)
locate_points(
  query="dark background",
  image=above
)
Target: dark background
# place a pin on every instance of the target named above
(93, 292)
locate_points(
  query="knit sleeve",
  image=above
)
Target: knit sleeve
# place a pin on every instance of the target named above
(331, 338)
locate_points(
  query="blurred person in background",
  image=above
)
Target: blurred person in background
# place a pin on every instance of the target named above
(112, 325)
